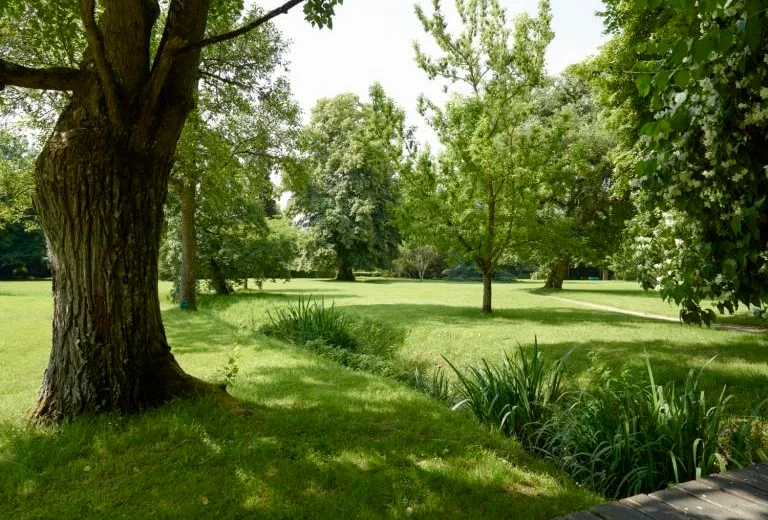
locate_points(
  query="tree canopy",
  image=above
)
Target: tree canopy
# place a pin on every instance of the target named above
(344, 192)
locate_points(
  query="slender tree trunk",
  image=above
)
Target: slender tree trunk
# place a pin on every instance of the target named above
(605, 273)
(343, 269)
(487, 290)
(188, 275)
(101, 206)
(558, 271)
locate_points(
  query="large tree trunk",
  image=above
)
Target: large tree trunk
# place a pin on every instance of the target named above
(218, 280)
(558, 271)
(101, 207)
(487, 290)
(188, 274)
(344, 271)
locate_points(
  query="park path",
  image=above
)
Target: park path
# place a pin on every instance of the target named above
(659, 317)
(735, 495)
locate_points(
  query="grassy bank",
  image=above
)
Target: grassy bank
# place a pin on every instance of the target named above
(322, 441)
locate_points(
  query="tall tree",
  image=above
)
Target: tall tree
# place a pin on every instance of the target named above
(101, 181)
(480, 189)
(345, 192)
(702, 152)
(244, 122)
(581, 212)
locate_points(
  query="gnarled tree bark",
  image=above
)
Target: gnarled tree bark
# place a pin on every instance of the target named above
(101, 182)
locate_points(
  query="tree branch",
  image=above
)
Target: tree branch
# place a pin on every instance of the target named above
(54, 78)
(96, 44)
(283, 9)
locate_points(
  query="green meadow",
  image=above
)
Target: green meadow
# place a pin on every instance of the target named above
(322, 441)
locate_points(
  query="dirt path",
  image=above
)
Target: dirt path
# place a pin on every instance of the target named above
(659, 317)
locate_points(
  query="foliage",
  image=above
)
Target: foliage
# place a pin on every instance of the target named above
(436, 385)
(581, 212)
(477, 193)
(516, 396)
(419, 262)
(357, 343)
(228, 372)
(624, 439)
(22, 252)
(701, 114)
(344, 186)
(310, 320)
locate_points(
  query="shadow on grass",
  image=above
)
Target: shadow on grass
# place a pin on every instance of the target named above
(322, 443)
(216, 302)
(565, 291)
(414, 314)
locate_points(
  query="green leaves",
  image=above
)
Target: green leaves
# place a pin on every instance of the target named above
(320, 12)
(643, 83)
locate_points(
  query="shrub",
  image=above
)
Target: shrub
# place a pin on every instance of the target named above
(623, 439)
(357, 343)
(311, 320)
(436, 385)
(516, 396)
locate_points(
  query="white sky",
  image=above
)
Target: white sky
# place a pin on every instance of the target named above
(372, 41)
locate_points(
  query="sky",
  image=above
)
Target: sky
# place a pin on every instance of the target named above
(372, 40)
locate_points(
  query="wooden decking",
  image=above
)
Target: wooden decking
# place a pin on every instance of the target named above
(736, 495)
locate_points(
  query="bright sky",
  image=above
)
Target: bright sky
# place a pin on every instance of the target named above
(372, 41)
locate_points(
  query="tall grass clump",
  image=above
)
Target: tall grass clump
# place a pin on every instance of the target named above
(354, 342)
(623, 438)
(309, 320)
(516, 396)
(436, 384)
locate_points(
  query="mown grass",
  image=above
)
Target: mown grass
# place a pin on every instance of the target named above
(630, 296)
(444, 319)
(322, 441)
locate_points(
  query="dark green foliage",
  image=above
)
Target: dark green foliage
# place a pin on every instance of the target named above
(516, 396)
(22, 252)
(353, 342)
(436, 385)
(699, 154)
(311, 320)
(623, 438)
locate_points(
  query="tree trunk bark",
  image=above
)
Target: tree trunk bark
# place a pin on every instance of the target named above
(344, 271)
(101, 206)
(218, 280)
(558, 271)
(188, 274)
(606, 273)
(487, 290)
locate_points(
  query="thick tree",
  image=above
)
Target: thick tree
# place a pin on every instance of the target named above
(702, 152)
(344, 194)
(479, 191)
(101, 181)
(581, 212)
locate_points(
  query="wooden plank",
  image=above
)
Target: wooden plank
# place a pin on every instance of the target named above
(739, 489)
(618, 511)
(745, 476)
(711, 493)
(653, 508)
(691, 505)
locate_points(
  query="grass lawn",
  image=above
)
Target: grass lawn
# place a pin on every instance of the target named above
(630, 296)
(323, 442)
(444, 319)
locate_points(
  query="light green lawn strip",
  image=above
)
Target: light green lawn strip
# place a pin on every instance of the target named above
(323, 442)
(630, 296)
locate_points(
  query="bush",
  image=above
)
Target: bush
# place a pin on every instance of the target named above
(310, 320)
(623, 439)
(357, 343)
(515, 397)
(437, 385)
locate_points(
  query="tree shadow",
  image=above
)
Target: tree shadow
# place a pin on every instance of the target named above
(321, 443)
(216, 302)
(416, 314)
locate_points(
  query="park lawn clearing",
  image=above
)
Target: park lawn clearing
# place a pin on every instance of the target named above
(444, 319)
(321, 441)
